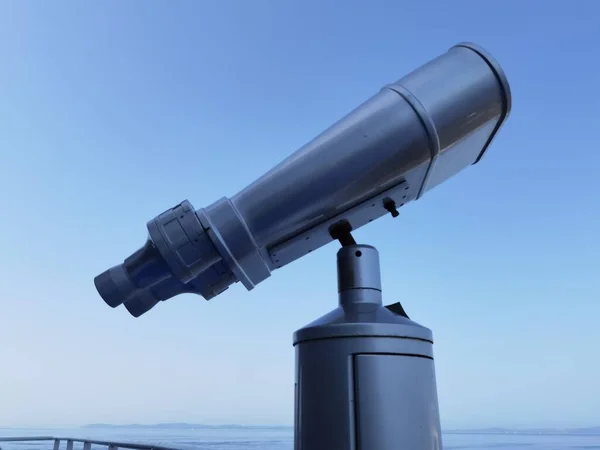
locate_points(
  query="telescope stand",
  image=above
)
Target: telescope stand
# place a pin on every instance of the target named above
(365, 377)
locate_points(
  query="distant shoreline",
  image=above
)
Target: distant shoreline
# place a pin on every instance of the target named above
(188, 426)
(589, 431)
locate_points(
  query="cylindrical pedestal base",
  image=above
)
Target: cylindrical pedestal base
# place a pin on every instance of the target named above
(365, 377)
(365, 393)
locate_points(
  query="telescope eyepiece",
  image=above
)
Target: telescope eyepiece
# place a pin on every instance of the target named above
(114, 286)
(141, 270)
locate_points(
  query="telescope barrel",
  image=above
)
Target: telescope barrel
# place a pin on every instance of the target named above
(411, 136)
(422, 129)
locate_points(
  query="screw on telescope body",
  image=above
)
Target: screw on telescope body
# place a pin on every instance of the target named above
(390, 206)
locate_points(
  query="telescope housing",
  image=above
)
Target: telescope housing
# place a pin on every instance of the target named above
(409, 137)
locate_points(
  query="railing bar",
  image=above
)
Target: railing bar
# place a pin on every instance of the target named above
(87, 443)
(32, 438)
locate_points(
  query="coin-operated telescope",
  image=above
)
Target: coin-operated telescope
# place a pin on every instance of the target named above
(364, 372)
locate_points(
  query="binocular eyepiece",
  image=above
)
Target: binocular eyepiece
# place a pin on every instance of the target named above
(170, 263)
(409, 137)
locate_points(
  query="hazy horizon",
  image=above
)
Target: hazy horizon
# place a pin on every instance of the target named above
(173, 425)
(165, 425)
(111, 113)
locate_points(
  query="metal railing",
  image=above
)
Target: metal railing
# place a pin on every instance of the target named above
(87, 443)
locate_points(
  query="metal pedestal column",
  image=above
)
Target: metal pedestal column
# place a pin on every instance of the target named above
(365, 377)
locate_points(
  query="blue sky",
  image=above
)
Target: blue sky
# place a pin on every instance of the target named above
(112, 112)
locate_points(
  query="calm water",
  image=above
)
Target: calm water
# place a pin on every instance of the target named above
(278, 439)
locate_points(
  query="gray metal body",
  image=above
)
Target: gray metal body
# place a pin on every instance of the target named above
(365, 377)
(409, 137)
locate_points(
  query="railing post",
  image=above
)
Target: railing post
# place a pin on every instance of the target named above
(87, 446)
(69, 445)
(56, 444)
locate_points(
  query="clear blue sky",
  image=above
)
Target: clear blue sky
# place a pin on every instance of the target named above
(111, 112)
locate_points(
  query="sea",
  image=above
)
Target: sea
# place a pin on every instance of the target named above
(282, 439)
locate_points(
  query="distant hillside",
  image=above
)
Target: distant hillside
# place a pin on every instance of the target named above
(590, 431)
(186, 426)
